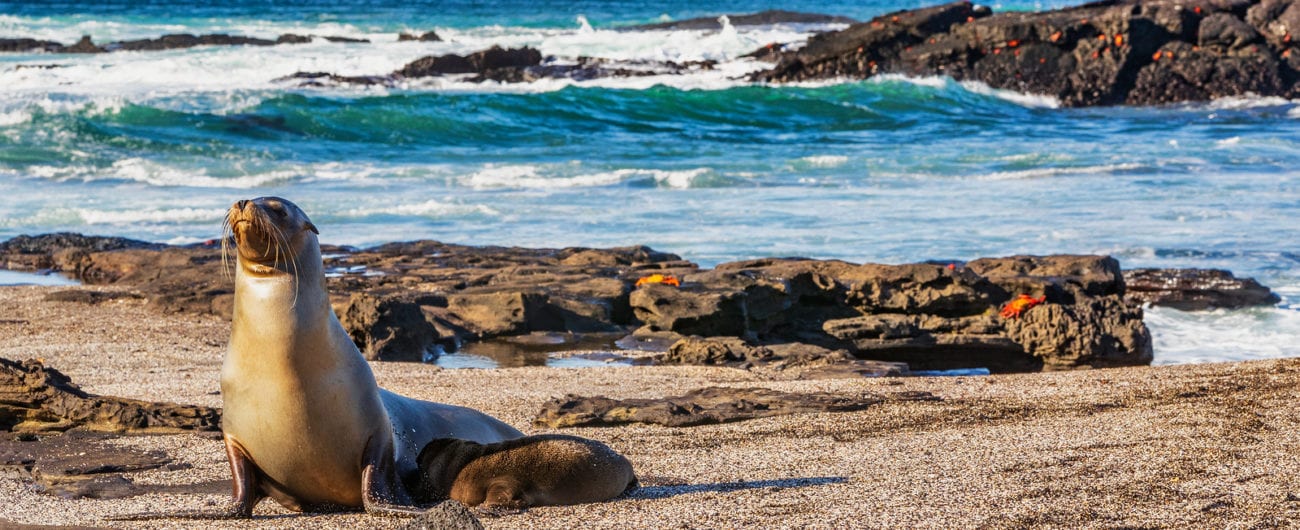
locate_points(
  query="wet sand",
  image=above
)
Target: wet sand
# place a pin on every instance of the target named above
(1213, 445)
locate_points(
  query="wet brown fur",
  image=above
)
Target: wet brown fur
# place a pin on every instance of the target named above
(549, 469)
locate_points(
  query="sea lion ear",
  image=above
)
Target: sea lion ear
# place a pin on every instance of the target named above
(312, 227)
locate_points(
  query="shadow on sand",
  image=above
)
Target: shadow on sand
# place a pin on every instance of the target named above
(652, 491)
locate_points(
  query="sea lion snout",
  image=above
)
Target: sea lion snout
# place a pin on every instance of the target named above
(267, 229)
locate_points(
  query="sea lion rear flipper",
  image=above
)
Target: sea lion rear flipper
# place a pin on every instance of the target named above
(244, 473)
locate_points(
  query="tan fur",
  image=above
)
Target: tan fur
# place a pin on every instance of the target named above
(300, 401)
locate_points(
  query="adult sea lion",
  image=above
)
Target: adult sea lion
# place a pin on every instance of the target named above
(547, 469)
(304, 422)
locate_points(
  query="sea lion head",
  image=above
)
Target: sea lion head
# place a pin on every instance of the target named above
(268, 233)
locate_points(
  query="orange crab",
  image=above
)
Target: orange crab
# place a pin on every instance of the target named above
(1022, 303)
(659, 278)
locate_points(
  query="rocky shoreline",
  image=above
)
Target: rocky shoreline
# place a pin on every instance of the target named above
(1110, 52)
(783, 317)
(1102, 53)
(1201, 445)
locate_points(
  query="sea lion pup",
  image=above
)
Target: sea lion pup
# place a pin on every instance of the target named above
(304, 421)
(545, 469)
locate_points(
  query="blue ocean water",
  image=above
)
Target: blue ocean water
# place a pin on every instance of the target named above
(155, 145)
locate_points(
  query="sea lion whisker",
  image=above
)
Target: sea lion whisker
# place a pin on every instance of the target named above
(282, 249)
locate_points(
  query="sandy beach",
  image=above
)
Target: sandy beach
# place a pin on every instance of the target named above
(1211, 445)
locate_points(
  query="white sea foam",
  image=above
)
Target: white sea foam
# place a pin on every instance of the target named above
(431, 208)
(1038, 101)
(156, 174)
(1248, 101)
(534, 177)
(1228, 142)
(975, 87)
(149, 172)
(1044, 172)
(825, 161)
(1223, 335)
(196, 78)
(156, 216)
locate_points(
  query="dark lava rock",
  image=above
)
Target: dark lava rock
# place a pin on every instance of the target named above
(26, 45)
(446, 515)
(52, 243)
(391, 329)
(1102, 53)
(348, 40)
(762, 18)
(186, 40)
(36, 398)
(481, 62)
(514, 65)
(324, 78)
(293, 38)
(697, 407)
(427, 36)
(85, 464)
(85, 45)
(715, 351)
(84, 296)
(789, 360)
(412, 300)
(1196, 289)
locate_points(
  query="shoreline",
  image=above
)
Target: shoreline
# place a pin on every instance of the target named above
(1172, 446)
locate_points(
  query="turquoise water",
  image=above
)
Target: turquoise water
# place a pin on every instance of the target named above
(155, 145)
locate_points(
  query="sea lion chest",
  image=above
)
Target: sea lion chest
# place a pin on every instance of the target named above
(302, 404)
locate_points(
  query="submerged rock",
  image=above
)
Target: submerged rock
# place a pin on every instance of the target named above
(506, 65)
(1102, 53)
(427, 36)
(186, 40)
(26, 45)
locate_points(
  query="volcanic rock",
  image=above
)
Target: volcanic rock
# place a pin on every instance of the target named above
(25, 45)
(1196, 289)
(186, 40)
(1102, 53)
(481, 62)
(780, 316)
(698, 407)
(446, 515)
(36, 398)
(427, 36)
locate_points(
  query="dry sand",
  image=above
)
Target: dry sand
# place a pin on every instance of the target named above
(1204, 446)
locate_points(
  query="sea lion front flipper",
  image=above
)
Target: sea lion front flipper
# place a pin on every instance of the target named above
(505, 493)
(244, 475)
(381, 491)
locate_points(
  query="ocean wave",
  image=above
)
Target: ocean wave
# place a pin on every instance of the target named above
(945, 83)
(156, 174)
(823, 161)
(431, 208)
(212, 216)
(1044, 172)
(529, 176)
(1223, 335)
(1035, 101)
